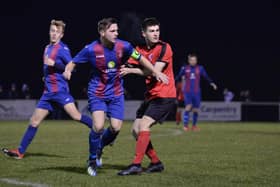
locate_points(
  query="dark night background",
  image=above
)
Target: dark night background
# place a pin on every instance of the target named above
(237, 41)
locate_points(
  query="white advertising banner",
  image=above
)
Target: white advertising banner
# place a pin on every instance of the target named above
(130, 109)
(16, 109)
(83, 107)
(220, 111)
(209, 111)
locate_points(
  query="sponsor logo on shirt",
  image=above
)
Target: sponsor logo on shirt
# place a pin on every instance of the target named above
(111, 64)
(150, 57)
(192, 76)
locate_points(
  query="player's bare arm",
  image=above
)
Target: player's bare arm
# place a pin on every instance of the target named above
(134, 70)
(156, 73)
(48, 61)
(143, 72)
(68, 70)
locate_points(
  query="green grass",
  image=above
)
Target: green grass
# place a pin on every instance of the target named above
(222, 154)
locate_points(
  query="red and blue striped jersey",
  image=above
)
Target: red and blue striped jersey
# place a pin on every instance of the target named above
(53, 78)
(192, 76)
(106, 81)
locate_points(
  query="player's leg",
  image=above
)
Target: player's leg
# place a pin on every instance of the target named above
(188, 107)
(38, 115)
(41, 111)
(142, 143)
(67, 101)
(195, 110)
(178, 114)
(94, 140)
(115, 113)
(97, 108)
(180, 110)
(157, 111)
(139, 115)
(110, 134)
(150, 151)
(72, 110)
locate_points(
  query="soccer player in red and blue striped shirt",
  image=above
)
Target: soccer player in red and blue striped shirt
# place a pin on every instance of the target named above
(105, 90)
(55, 58)
(192, 92)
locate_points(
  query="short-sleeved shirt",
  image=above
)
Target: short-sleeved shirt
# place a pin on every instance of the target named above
(161, 52)
(53, 78)
(106, 81)
(192, 76)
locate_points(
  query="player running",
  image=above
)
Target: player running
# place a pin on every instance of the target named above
(105, 91)
(159, 98)
(192, 92)
(55, 58)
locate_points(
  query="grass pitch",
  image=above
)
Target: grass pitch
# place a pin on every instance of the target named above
(221, 154)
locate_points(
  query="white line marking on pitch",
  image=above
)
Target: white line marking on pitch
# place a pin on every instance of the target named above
(20, 183)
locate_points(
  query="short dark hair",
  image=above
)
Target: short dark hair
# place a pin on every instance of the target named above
(149, 22)
(105, 23)
(190, 55)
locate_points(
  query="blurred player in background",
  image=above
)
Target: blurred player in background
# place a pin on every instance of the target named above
(228, 95)
(56, 56)
(180, 99)
(192, 92)
(159, 98)
(105, 90)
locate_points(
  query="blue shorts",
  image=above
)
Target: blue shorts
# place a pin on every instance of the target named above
(193, 99)
(114, 107)
(48, 100)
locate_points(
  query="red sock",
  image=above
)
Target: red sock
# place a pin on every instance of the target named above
(141, 146)
(151, 153)
(178, 117)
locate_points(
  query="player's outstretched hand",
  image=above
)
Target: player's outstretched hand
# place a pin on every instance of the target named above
(161, 77)
(124, 71)
(49, 61)
(67, 75)
(214, 86)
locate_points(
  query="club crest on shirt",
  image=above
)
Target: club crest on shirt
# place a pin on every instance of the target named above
(150, 57)
(111, 64)
(192, 76)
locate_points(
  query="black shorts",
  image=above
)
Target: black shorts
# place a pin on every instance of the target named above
(158, 108)
(180, 104)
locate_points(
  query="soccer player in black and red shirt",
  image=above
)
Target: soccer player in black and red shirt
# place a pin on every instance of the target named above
(159, 98)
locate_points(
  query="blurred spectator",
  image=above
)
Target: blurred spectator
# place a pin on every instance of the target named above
(13, 93)
(25, 90)
(245, 95)
(228, 95)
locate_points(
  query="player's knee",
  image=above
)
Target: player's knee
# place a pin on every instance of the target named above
(116, 127)
(76, 117)
(34, 122)
(98, 129)
(134, 133)
(144, 125)
(188, 108)
(195, 110)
